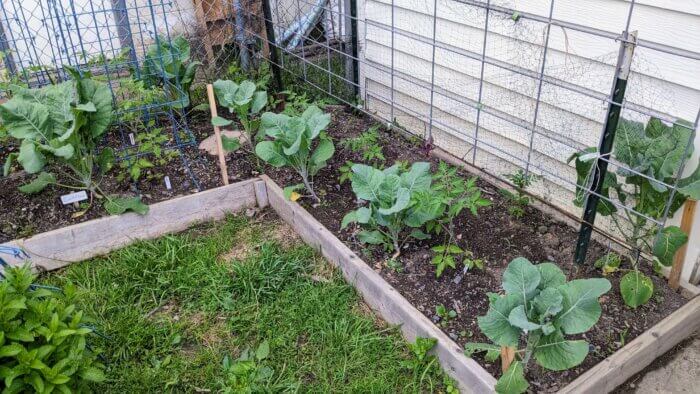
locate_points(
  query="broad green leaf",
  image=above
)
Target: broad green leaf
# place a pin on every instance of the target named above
(224, 91)
(548, 302)
(690, 186)
(555, 353)
(39, 183)
(323, 152)
(273, 125)
(418, 234)
(26, 119)
(366, 182)
(244, 93)
(269, 152)
(364, 214)
(65, 151)
(105, 160)
(218, 121)
(521, 278)
(259, 102)
(552, 276)
(518, 318)
(294, 136)
(418, 177)
(30, 158)
(495, 324)
(667, 244)
(636, 289)
(403, 198)
(371, 237)
(316, 120)
(230, 144)
(119, 205)
(350, 217)
(11, 350)
(581, 309)
(513, 380)
(8, 163)
(87, 107)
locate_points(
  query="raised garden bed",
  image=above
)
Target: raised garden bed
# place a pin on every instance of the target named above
(623, 341)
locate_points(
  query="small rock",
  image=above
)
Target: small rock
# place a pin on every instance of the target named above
(186, 184)
(542, 229)
(436, 319)
(454, 336)
(250, 212)
(209, 144)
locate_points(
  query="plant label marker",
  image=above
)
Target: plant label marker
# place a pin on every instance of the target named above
(132, 139)
(74, 197)
(167, 183)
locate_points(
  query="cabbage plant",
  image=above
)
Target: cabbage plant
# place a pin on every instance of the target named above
(655, 150)
(63, 125)
(246, 102)
(167, 63)
(297, 142)
(394, 213)
(536, 313)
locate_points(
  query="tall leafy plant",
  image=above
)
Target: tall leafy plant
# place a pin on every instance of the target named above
(394, 212)
(63, 124)
(167, 63)
(537, 311)
(298, 142)
(656, 151)
(43, 338)
(452, 194)
(246, 102)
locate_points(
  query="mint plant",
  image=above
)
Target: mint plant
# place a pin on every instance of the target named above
(518, 200)
(655, 150)
(246, 102)
(167, 63)
(249, 374)
(394, 213)
(451, 194)
(444, 314)
(63, 125)
(292, 143)
(43, 337)
(539, 308)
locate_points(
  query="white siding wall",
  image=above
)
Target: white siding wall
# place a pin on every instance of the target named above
(567, 121)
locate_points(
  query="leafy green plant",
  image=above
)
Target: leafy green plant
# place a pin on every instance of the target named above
(367, 145)
(63, 124)
(609, 263)
(451, 194)
(244, 100)
(656, 151)
(444, 314)
(167, 63)
(540, 307)
(292, 144)
(247, 373)
(43, 337)
(423, 364)
(148, 153)
(394, 206)
(518, 200)
(345, 172)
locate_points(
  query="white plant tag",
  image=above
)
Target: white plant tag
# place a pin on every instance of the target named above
(132, 139)
(71, 198)
(167, 182)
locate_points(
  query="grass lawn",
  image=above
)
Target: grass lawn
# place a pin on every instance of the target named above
(172, 310)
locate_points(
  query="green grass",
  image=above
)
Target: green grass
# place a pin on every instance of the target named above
(172, 309)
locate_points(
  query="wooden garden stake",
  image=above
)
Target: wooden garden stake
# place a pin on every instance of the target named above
(686, 225)
(217, 134)
(507, 357)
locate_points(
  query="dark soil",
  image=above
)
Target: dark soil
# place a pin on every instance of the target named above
(494, 236)
(23, 215)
